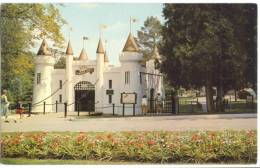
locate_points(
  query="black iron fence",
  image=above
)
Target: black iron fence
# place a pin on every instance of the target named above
(170, 105)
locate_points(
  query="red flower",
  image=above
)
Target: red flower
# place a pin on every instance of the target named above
(195, 137)
(250, 133)
(99, 137)
(81, 137)
(109, 136)
(151, 142)
(130, 143)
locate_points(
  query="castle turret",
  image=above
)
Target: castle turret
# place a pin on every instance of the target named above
(130, 72)
(83, 55)
(44, 65)
(100, 78)
(69, 84)
(106, 60)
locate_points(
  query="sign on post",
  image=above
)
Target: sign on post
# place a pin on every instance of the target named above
(128, 98)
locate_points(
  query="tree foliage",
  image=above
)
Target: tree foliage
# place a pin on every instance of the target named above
(21, 25)
(149, 36)
(202, 46)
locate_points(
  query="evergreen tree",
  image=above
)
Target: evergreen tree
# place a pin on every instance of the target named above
(201, 47)
(149, 36)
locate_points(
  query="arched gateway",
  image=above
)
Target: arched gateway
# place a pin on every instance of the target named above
(84, 96)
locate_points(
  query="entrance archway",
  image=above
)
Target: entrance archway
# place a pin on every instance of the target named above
(84, 96)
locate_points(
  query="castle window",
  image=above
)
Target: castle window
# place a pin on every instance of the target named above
(60, 84)
(38, 78)
(110, 84)
(127, 77)
(109, 99)
(60, 98)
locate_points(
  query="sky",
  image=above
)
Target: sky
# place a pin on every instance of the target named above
(86, 18)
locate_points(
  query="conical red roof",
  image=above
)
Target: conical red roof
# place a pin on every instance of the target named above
(83, 55)
(43, 50)
(100, 48)
(130, 44)
(69, 50)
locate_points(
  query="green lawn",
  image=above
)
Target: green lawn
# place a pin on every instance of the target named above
(24, 161)
(240, 106)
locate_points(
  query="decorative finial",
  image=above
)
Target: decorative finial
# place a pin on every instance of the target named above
(84, 38)
(101, 27)
(132, 20)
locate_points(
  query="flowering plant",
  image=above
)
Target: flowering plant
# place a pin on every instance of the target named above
(155, 146)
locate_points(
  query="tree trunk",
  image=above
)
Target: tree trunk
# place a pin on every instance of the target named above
(209, 98)
(235, 95)
(219, 99)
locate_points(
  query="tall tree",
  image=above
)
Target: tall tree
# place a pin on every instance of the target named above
(21, 25)
(202, 49)
(149, 36)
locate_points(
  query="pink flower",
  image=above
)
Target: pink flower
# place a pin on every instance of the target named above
(151, 142)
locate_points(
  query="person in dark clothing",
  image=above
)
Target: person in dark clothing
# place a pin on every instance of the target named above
(19, 109)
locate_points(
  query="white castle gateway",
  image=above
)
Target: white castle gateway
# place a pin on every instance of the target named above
(94, 85)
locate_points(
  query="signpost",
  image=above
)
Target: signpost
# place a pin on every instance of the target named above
(128, 98)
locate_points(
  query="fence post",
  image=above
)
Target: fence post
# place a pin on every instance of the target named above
(123, 109)
(113, 109)
(78, 107)
(65, 110)
(44, 103)
(178, 105)
(191, 106)
(252, 102)
(56, 106)
(133, 109)
(30, 109)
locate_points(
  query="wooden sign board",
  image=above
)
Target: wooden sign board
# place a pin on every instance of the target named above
(110, 92)
(84, 69)
(128, 98)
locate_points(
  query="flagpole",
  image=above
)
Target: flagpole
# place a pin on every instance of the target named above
(83, 43)
(99, 31)
(130, 25)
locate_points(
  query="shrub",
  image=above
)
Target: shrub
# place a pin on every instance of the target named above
(155, 147)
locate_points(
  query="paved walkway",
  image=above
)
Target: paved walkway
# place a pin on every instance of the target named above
(56, 122)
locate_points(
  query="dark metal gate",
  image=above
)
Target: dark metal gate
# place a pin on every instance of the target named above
(84, 96)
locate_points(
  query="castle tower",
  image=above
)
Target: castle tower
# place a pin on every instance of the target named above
(100, 78)
(44, 65)
(130, 71)
(69, 84)
(83, 55)
(106, 60)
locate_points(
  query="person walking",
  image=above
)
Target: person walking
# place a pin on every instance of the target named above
(144, 105)
(19, 108)
(4, 104)
(159, 102)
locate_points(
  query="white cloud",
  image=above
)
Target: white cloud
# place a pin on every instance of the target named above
(117, 25)
(88, 5)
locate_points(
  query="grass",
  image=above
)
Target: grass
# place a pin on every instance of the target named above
(240, 106)
(24, 161)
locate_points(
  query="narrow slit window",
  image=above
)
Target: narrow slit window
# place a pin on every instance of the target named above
(38, 78)
(60, 84)
(110, 84)
(127, 77)
(60, 98)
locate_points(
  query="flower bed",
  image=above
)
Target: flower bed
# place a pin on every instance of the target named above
(154, 147)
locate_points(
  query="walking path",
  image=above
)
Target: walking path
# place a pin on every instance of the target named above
(57, 122)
